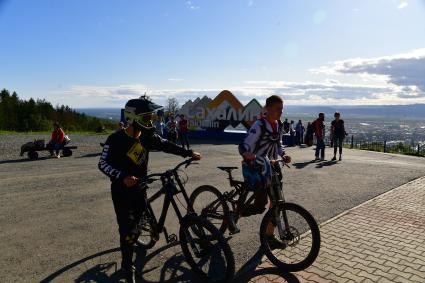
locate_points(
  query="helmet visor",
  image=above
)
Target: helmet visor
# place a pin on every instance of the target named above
(144, 119)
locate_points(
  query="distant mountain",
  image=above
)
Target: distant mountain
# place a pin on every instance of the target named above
(413, 111)
(105, 113)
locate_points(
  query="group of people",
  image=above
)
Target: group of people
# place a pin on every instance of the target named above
(125, 155)
(173, 129)
(296, 132)
(299, 134)
(337, 135)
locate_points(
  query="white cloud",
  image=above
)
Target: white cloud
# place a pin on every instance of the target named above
(402, 5)
(403, 72)
(175, 79)
(397, 79)
(191, 6)
(250, 3)
(330, 92)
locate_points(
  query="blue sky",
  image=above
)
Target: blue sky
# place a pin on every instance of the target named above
(100, 53)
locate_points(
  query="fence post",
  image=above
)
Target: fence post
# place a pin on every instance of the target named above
(352, 142)
(385, 145)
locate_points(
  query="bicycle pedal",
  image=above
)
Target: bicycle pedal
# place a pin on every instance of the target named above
(172, 238)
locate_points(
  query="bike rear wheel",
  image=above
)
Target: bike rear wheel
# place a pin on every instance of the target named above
(297, 245)
(208, 202)
(206, 250)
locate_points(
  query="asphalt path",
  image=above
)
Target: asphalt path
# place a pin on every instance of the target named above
(58, 224)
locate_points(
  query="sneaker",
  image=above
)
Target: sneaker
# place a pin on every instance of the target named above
(58, 156)
(233, 227)
(274, 242)
(334, 158)
(317, 158)
(129, 274)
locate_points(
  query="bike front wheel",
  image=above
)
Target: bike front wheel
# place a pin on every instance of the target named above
(206, 250)
(290, 237)
(208, 202)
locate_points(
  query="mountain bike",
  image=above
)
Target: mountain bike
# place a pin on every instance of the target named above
(203, 246)
(294, 228)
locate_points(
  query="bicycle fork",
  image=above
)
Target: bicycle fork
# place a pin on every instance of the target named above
(279, 212)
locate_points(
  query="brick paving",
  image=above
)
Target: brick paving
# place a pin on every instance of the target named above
(382, 240)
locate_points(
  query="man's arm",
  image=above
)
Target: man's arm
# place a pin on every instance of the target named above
(249, 143)
(158, 143)
(104, 164)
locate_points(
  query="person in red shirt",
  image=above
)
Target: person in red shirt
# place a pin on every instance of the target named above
(183, 130)
(56, 142)
(319, 132)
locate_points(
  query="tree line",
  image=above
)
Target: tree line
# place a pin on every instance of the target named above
(38, 115)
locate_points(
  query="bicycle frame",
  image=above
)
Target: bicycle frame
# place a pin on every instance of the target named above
(275, 191)
(169, 189)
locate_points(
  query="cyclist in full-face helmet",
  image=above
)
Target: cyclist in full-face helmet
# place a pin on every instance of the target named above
(124, 160)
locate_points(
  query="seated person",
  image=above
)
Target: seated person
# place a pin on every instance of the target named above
(57, 140)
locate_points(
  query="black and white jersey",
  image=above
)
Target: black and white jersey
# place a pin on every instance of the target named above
(263, 141)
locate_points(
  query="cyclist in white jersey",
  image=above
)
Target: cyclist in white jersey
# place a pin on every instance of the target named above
(264, 139)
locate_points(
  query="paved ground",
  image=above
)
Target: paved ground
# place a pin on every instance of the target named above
(57, 220)
(382, 240)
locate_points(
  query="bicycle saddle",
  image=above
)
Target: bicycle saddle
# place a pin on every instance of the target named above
(227, 169)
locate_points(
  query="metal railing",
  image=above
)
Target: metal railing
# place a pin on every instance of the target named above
(417, 149)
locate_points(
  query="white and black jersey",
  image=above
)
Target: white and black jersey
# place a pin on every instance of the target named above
(263, 141)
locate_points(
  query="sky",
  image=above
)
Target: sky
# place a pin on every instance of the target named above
(101, 53)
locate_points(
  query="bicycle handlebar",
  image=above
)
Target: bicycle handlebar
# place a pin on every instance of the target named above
(151, 177)
(281, 161)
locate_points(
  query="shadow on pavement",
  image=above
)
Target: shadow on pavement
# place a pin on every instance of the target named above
(24, 159)
(97, 271)
(102, 267)
(90, 155)
(249, 271)
(325, 164)
(301, 165)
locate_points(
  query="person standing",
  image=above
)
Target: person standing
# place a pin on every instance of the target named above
(319, 132)
(263, 142)
(56, 142)
(172, 129)
(124, 160)
(299, 132)
(120, 127)
(292, 133)
(338, 134)
(286, 126)
(159, 126)
(183, 130)
(308, 139)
